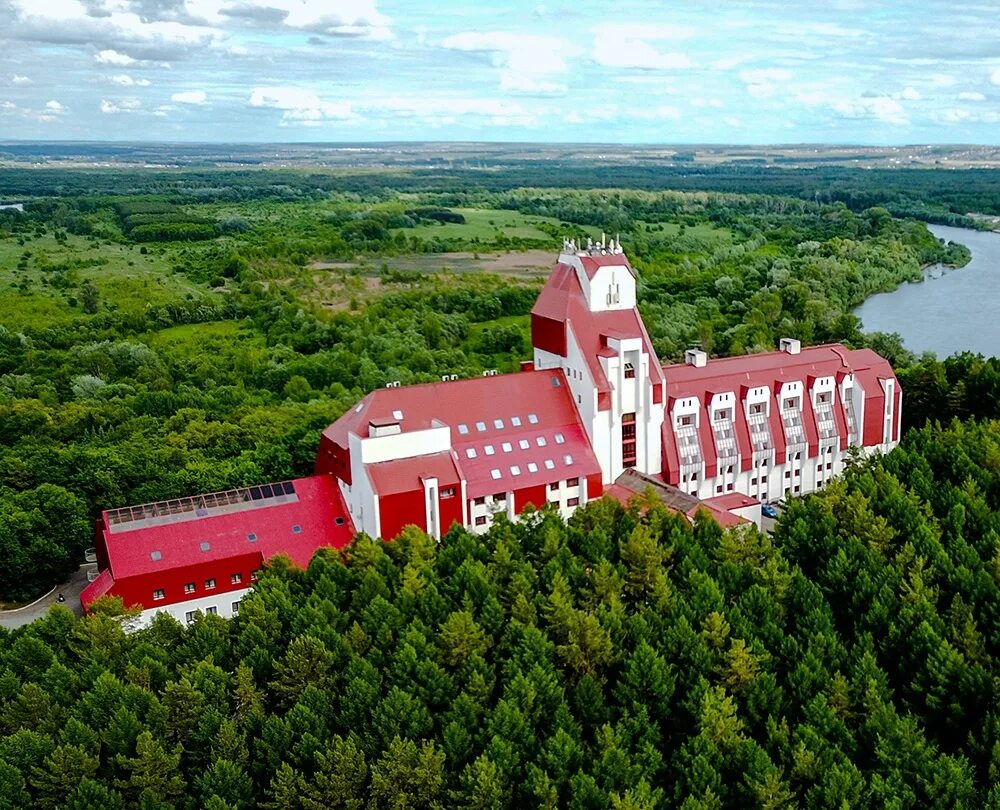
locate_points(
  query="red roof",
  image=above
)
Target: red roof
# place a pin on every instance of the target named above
(407, 474)
(591, 264)
(772, 368)
(316, 517)
(730, 501)
(98, 588)
(505, 409)
(562, 300)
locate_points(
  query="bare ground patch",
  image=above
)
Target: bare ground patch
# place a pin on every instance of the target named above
(525, 263)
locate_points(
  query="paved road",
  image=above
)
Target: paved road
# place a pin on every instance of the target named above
(71, 590)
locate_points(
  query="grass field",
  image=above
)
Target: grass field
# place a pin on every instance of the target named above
(40, 279)
(485, 223)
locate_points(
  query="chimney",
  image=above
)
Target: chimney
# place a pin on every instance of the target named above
(696, 358)
(790, 346)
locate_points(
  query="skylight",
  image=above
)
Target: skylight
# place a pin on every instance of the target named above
(397, 414)
(515, 470)
(495, 474)
(524, 444)
(515, 421)
(463, 429)
(296, 529)
(560, 439)
(532, 467)
(568, 459)
(540, 441)
(533, 418)
(549, 464)
(488, 449)
(507, 447)
(155, 556)
(471, 452)
(481, 427)
(205, 545)
(498, 424)
(252, 537)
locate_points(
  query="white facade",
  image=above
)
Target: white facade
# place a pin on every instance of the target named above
(222, 604)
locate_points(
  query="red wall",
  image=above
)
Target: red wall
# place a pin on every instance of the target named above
(407, 508)
(333, 459)
(874, 417)
(548, 335)
(139, 589)
(536, 496)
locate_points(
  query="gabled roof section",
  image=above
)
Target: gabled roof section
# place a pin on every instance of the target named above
(591, 264)
(562, 299)
(98, 588)
(408, 474)
(772, 369)
(317, 516)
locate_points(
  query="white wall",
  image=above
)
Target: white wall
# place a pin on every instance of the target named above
(222, 602)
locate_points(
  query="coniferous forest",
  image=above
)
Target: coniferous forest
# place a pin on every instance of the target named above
(164, 334)
(625, 660)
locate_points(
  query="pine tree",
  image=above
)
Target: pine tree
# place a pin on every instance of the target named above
(153, 773)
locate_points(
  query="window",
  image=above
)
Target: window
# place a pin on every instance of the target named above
(463, 429)
(158, 594)
(554, 486)
(515, 470)
(481, 427)
(763, 479)
(540, 441)
(189, 616)
(470, 452)
(481, 520)
(560, 439)
(498, 424)
(573, 482)
(788, 474)
(253, 576)
(296, 529)
(533, 418)
(236, 579)
(506, 447)
(524, 444)
(339, 521)
(718, 489)
(829, 465)
(448, 492)
(189, 587)
(629, 371)
(532, 467)
(515, 421)
(480, 501)
(495, 474)
(753, 481)
(236, 608)
(549, 464)
(729, 487)
(209, 584)
(573, 502)
(797, 488)
(488, 449)
(568, 459)
(212, 610)
(500, 497)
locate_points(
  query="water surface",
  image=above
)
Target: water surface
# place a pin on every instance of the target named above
(951, 310)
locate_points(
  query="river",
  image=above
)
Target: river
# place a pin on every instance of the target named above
(951, 310)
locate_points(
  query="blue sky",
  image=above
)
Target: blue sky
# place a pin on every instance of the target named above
(755, 71)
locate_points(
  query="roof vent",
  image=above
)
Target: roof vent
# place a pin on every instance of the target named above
(790, 345)
(696, 358)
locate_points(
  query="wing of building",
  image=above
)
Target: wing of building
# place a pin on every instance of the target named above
(593, 413)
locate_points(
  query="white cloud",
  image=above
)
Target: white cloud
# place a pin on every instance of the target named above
(631, 46)
(54, 106)
(8, 106)
(299, 105)
(995, 76)
(125, 105)
(20, 81)
(112, 57)
(910, 94)
(124, 80)
(527, 63)
(762, 82)
(190, 97)
(971, 96)
(880, 108)
(942, 80)
(706, 102)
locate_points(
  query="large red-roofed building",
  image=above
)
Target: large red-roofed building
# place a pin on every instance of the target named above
(594, 412)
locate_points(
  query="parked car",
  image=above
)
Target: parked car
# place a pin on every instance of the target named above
(769, 510)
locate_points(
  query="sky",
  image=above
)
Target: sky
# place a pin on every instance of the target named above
(715, 71)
